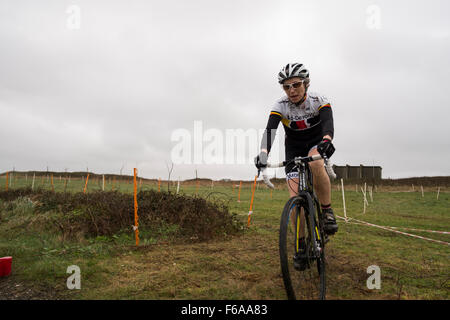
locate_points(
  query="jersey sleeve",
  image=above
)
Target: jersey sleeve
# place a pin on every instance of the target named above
(326, 116)
(323, 102)
(275, 117)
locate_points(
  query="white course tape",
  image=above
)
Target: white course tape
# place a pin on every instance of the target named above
(391, 229)
(421, 230)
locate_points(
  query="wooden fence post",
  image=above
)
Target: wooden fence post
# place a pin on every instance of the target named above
(7, 182)
(136, 218)
(251, 203)
(85, 186)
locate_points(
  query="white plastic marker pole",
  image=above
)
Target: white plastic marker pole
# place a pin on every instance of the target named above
(437, 197)
(364, 196)
(364, 212)
(370, 193)
(365, 193)
(32, 184)
(178, 186)
(364, 200)
(421, 188)
(239, 195)
(103, 185)
(343, 199)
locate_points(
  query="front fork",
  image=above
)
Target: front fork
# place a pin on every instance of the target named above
(316, 226)
(320, 221)
(318, 236)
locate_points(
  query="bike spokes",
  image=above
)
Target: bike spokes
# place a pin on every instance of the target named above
(301, 262)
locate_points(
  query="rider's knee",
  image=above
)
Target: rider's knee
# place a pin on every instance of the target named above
(317, 167)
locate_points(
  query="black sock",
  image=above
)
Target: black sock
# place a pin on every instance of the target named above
(325, 206)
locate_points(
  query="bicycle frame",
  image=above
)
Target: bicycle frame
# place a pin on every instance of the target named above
(306, 183)
(306, 192)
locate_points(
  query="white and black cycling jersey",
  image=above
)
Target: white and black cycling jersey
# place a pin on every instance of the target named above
(308, 121)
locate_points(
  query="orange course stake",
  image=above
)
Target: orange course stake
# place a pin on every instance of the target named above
(239, 194)
(136, 218)
(85, 186)
(7, 182)
(251, 203)
(159, 185)
(53, 187)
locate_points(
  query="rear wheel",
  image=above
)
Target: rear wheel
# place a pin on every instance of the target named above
(306, 280)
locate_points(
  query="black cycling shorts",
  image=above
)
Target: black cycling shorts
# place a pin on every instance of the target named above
(297, 149)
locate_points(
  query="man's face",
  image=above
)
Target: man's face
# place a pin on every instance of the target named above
(294, 88)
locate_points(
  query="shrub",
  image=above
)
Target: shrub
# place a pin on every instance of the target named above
(106, 213)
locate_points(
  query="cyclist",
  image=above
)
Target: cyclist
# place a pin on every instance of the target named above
(308, 123)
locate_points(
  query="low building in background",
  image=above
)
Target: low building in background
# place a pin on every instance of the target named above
(360, 172)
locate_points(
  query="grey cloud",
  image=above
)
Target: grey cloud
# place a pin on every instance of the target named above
(115, 90)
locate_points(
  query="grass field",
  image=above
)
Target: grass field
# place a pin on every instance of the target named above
(240, 266)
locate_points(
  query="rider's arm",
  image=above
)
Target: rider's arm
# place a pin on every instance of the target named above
(326, 117)
(271, 129)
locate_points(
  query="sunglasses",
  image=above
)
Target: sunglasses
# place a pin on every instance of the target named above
(294, 85)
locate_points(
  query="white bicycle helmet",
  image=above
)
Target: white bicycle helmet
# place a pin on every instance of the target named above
(292, 70)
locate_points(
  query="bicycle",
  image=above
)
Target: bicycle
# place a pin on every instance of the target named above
(307, 278)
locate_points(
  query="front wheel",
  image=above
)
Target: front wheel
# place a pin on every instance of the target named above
(300, 238)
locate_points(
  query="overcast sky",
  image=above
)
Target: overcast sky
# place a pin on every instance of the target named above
(105, 84)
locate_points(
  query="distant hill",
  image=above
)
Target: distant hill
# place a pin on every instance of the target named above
(425, 181)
